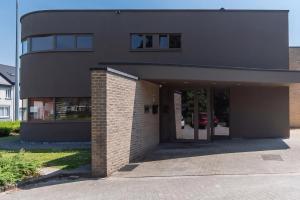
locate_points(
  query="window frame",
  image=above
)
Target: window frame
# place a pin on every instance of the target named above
(8, 111)
(180, 40)
(56, 42)
(155, 42)
(39, 120)
(168, 39)
(143, 40)
(44, 50)
(54, 120)
(8, 91)
(82, 35)
(55, 49)
(27, 49)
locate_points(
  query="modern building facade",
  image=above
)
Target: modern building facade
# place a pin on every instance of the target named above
(295, 89)
(7, 91)
(130, 79)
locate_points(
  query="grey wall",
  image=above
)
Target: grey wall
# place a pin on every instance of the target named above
(256, 39)
(259, 112)
(56, 132)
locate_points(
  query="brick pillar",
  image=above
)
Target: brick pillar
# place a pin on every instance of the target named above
(99, 123)
(121, 130)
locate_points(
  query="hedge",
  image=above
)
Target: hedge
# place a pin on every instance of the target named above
(9, 127)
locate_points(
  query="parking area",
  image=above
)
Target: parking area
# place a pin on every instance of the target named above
(226, 157)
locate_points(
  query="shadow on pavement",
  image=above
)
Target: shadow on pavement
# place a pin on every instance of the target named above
(184, 149)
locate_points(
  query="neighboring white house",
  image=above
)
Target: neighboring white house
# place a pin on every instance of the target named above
(7, 92)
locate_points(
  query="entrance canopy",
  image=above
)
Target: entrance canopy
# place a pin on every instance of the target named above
(162, 73)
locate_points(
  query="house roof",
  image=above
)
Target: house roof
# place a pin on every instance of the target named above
(8, 73)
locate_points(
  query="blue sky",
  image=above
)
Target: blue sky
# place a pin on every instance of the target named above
(7, 13)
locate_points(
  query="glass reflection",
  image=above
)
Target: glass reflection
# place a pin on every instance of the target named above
(221, 112)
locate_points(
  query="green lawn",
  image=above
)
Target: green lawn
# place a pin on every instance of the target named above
(60, 159)
(16, 165)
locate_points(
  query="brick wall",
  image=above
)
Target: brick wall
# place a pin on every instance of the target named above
(295, 89)
(121, 131)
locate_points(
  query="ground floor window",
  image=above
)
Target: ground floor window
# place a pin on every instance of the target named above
(4, 111)
(73, 108)
(47, 109)
(41, 109)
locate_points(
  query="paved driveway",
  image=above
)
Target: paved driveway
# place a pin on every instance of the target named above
(237, 169)
(237, 157)
(239, 187)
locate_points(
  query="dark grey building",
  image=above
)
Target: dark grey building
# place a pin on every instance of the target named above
(221, 73)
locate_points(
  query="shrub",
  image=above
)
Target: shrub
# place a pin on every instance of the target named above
(9, 127)
(4, 131)
(16, 168)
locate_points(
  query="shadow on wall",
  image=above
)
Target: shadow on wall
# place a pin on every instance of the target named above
(145, 123)
(183, 150)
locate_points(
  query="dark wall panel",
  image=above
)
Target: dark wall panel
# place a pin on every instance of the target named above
(56, 132)
(259, 112)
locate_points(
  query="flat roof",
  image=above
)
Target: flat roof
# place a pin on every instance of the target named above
(152, 10)
(172, 72)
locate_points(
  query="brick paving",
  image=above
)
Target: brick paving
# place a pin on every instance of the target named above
(237, 157)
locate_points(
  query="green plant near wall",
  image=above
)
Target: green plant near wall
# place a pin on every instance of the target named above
(16, 168)
(9, 127)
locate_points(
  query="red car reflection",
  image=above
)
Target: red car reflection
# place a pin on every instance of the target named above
(203, 120)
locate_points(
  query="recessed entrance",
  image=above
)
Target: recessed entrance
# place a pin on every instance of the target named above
(202, 114)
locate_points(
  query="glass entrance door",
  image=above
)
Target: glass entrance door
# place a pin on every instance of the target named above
(202, 114)
(220, 110)
(192, 114)
(202, 121)
(184, 114)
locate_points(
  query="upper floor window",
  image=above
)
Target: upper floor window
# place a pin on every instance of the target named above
(71, 42)
(8, 93)
(25, 46)
(148, 41)
(137, 41)
(140, 41)
(84, 41)
(65, 42)
(42, 43)
(155, 41)
(172, 41)
(163, 41)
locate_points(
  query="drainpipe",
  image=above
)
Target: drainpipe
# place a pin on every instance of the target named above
(16, 115)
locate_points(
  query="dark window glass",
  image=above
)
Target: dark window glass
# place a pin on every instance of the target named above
(65, 42)
(163, 41)
(41, 109)
(174, 41)
(136, 41)
(42, 43)
(149, 41)
(25, 46)
(73, 108)
(84, 42)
